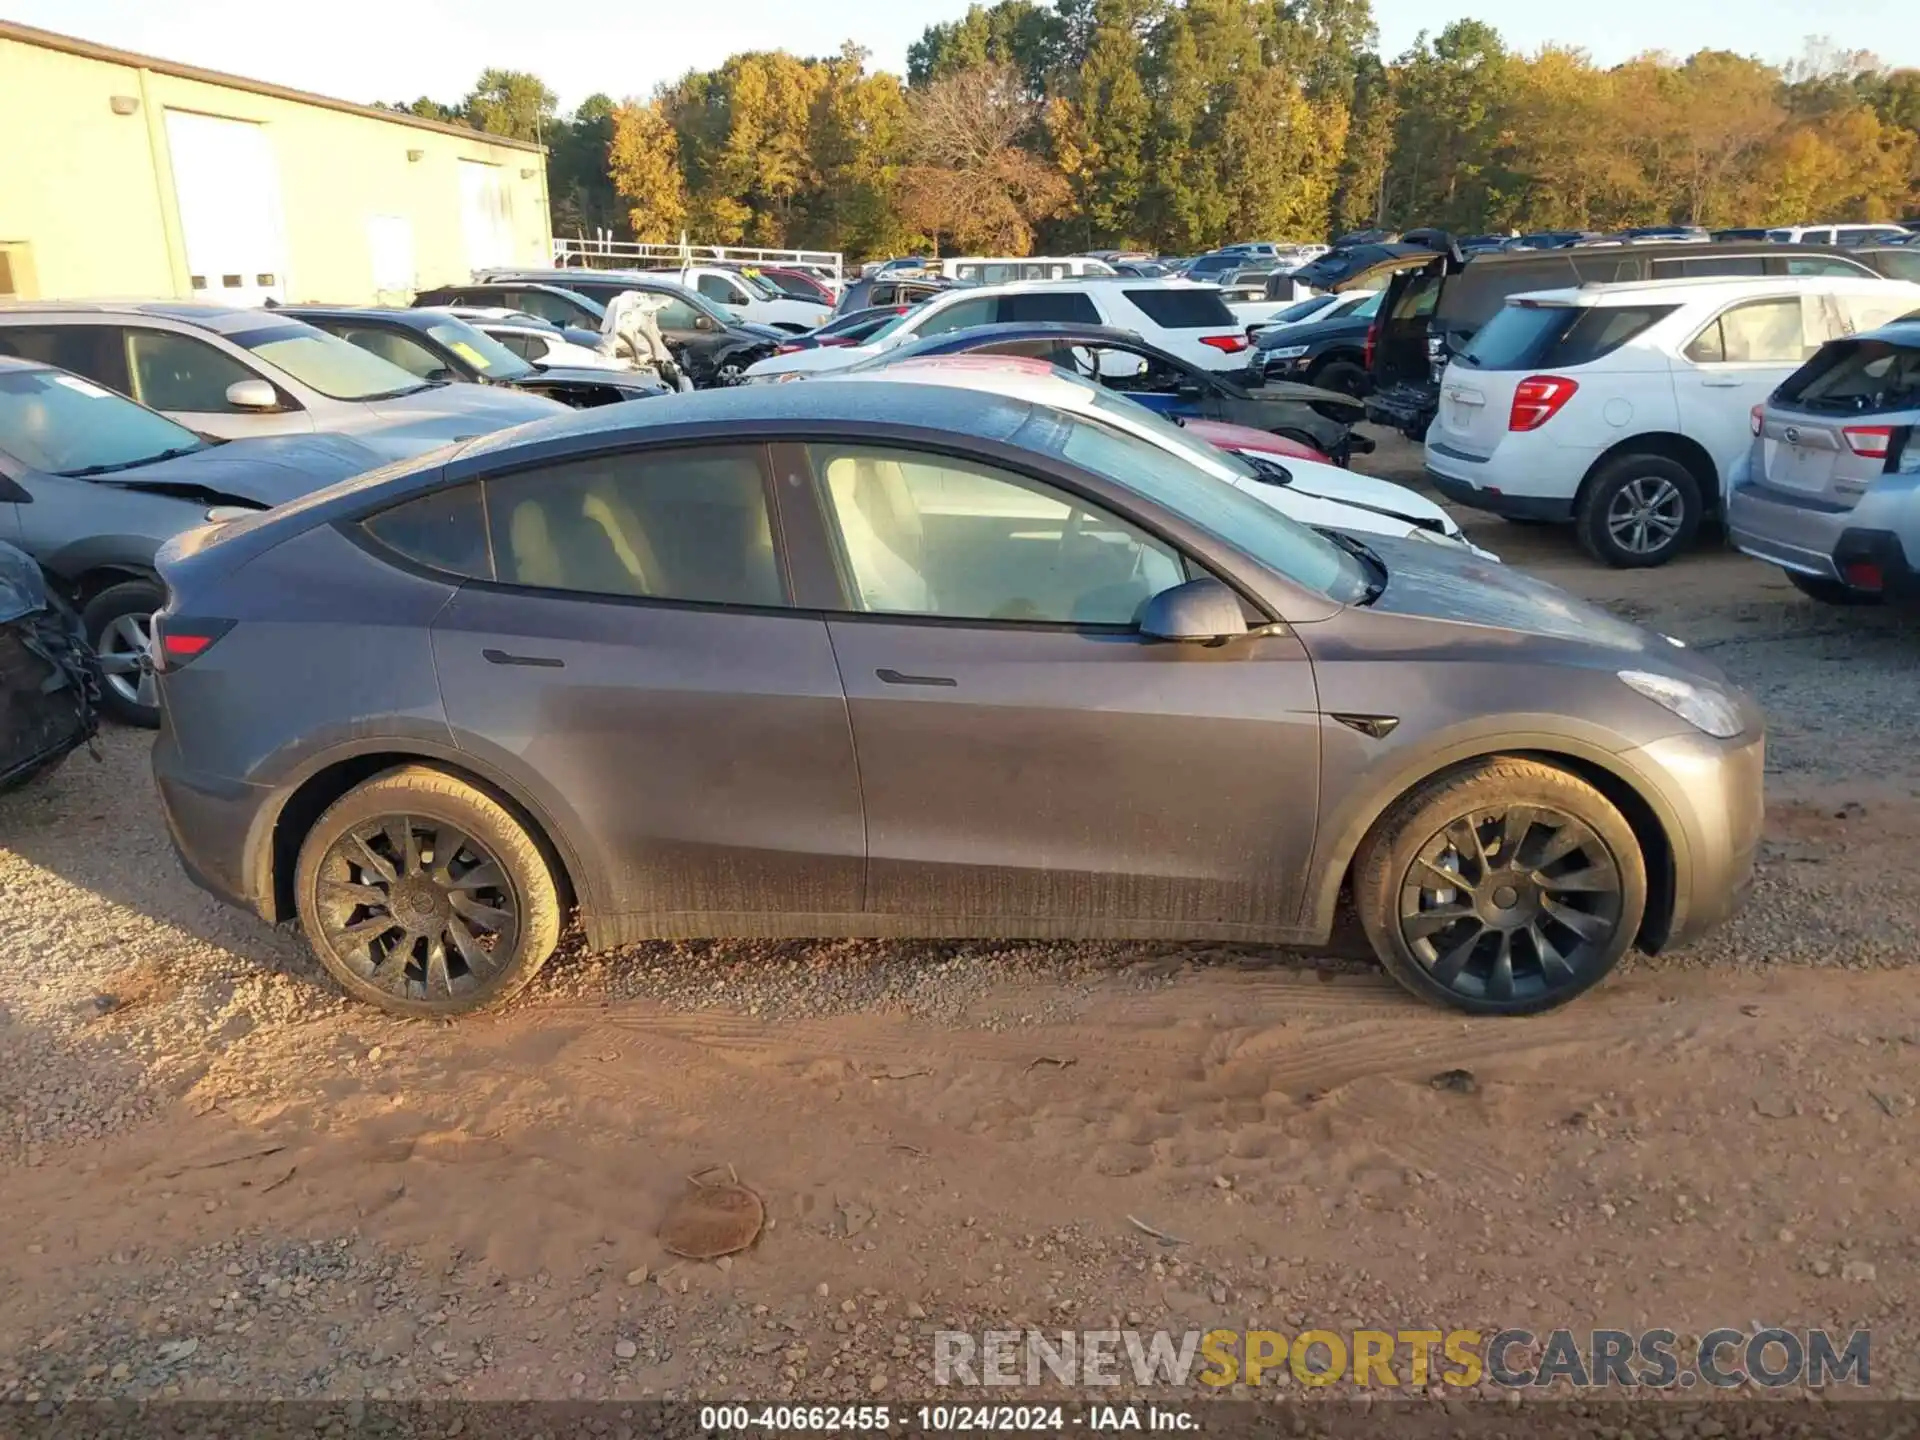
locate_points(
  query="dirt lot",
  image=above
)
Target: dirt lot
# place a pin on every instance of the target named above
(221, 1180)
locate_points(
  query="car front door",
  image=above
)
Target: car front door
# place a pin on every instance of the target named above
(190, 380)
(1030, 763)
(1735, 361)
(637, 657)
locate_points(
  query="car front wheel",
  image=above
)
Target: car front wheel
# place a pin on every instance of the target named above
(1504, 888)
(119, 625)
(425, 896)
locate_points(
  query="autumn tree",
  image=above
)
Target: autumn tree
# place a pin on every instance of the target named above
(970, 183)
(1099, 124)
(643, 159)
(511, 103)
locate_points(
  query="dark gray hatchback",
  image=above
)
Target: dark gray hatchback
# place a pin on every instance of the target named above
(856, 658)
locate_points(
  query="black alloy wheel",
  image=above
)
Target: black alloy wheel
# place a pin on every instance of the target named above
(1512, 904)
(417, 908)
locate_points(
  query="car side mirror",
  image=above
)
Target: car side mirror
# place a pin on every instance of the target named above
(440, 374)
(12, 492)
(1194, 613)
(252, 395)
(703, 322)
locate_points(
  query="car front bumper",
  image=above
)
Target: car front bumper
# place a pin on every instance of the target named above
(1711, 798)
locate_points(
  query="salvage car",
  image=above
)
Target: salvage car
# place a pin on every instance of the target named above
(92, 484)
(1831, 489)
(49, 684)
(862, 658)
(538, 342)
(714, 346)
(246, 374)
(439, 347)
(1160, 381)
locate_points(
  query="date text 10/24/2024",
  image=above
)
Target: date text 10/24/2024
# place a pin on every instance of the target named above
(941, 1419)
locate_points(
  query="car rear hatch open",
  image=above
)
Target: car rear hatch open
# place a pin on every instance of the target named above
(1842, 420)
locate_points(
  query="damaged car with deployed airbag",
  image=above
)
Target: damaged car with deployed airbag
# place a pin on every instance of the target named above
(92, 484)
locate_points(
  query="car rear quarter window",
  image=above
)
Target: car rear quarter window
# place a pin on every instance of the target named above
(1174, 308)
(95, 351)
(445, 531)
(666, 525)
(1547, 337)
(1066, 306)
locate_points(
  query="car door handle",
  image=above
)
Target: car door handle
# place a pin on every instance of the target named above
(501, 657)
(1720, 382)
(894, 677)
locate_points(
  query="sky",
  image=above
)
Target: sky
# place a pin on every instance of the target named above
(390, 50)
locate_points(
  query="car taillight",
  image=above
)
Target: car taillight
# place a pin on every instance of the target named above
(1756, 418)
(832, 340)
(1373, 341)
(1537, 399)
(788, 349)
(1869, 441)
(1863, 575)
(1226, 344)
(179, 640)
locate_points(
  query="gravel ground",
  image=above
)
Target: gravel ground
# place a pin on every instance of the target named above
(146, 1032)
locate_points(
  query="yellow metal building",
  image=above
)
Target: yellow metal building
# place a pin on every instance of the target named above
(127, 177)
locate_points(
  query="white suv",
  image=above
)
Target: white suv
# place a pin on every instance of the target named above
(1623, 407)
(1182, 318)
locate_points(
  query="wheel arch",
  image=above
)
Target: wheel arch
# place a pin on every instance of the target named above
(1654, 824)
(279, 830)
(1669, 445)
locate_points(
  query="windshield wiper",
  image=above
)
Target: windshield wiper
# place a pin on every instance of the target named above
(172, 454)
(1367, 558)
(1268, 472)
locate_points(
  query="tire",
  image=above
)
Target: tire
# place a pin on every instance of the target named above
(1830, 592)
(347, 876)
(1640, 510)
(1444, 942)
(1342, 375)
(113, 620)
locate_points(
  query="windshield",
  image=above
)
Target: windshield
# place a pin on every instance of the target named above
(1302, 309)
(336, 368)
(59, 423)
(762, 288)
(482, 351)
(1172, 471)
(1368, 307)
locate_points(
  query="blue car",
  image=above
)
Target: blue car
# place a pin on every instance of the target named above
(1122, 361)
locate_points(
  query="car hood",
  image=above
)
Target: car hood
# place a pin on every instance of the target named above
(410, 425)
(267, 471)
(1449, 583)
(638, 381)
(1292, 392)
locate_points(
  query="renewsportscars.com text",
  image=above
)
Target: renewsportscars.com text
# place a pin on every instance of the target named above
(1657, 1359)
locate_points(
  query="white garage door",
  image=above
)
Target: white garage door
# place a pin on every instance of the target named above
(229, 194)
(484, 215)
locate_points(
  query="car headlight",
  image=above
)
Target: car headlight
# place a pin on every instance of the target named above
(1706, 709)
(1287, 352)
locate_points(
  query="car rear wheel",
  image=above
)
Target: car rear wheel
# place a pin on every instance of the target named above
(1830, 592)
(119, 625)
(1640, 511)
(1504, 888)
(425, 896)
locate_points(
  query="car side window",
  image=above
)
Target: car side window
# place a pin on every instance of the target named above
(446, 530)
(678, 315)
(665, 525)
(541, 306)
(961, 315)
(1758, 332)
(924, 534)
(178, 372)
(93, 351)
(1820, 265)
(720, 289)
(1065, 306)
(523, 345)
(399, 349)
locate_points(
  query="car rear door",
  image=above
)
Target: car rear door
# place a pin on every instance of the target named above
(1030, 764)
(1735, 361)
(636, 657)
